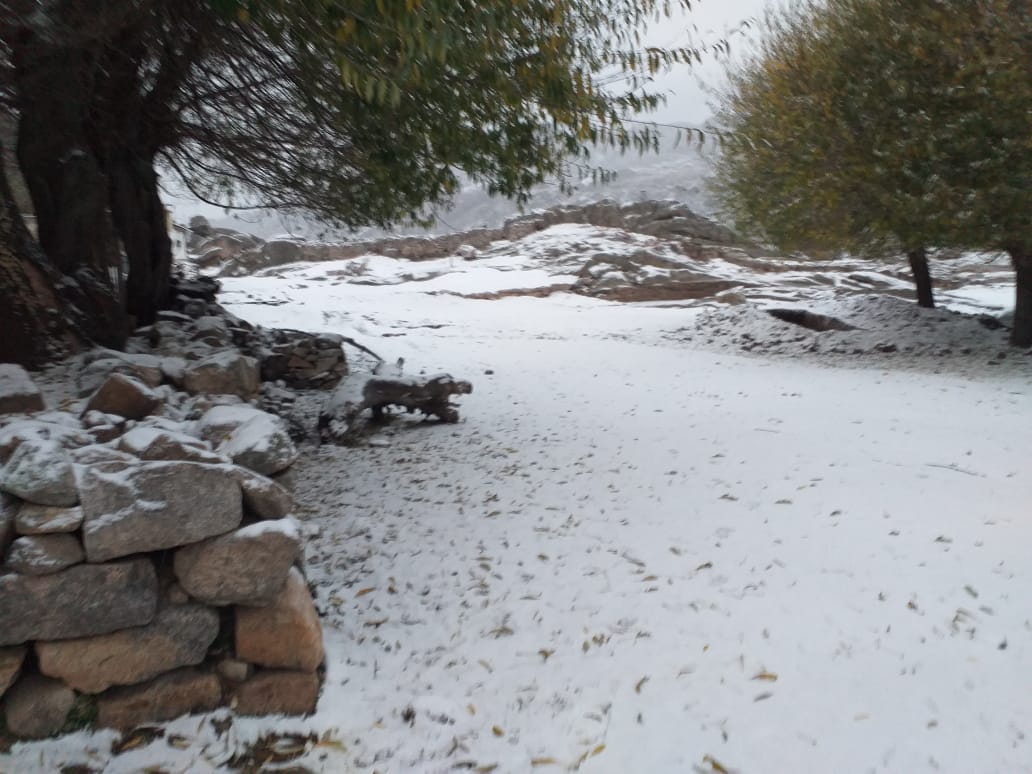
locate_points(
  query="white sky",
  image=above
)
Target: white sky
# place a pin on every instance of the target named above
(709, 21)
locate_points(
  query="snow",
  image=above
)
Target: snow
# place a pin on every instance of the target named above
(645, 548)
(288, 527)
(261, 433)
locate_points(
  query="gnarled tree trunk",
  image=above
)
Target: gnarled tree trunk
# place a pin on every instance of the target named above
(140, 219)
(54, 85)
(32, 319)
(69, 193)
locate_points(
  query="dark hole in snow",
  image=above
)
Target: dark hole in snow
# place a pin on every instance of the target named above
(811, 320)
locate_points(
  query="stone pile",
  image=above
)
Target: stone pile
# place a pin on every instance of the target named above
(200, 348)
(149, 562)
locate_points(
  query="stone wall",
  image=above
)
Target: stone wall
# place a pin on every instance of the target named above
(149, 562)
(665, 219)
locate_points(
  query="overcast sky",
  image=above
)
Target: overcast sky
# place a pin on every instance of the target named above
(709, 21)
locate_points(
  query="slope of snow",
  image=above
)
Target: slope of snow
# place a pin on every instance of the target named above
(642, 551)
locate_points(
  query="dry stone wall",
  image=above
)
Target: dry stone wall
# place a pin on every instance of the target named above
(150, 565)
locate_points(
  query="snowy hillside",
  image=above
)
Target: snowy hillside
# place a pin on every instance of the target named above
(675, 173)
(666, 536)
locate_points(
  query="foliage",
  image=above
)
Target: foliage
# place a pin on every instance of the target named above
(367, 111)
(882, 126)
(361, 112)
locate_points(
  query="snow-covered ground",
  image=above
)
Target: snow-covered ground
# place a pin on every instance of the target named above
(644, 551)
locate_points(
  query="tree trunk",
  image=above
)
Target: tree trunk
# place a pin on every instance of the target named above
(69, 193)
(922, 278)
(32, 320)
(54, 88)
(1021, 333)
(141, 222)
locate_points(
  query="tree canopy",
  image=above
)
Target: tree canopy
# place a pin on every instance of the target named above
(879, 126)
(361, 112)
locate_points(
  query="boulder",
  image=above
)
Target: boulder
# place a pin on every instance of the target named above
(212, 330)
(200, 226)
(285, 634)
(248, 566)
(156, 505)
(44, 554)
(11, 660)
(81, 601)
(37, 707)
(150, 443)
(40, 472)
(174, 369)
(195, 308)
(101, 455)
(146, 368)
(179, 636)
(263, 497)
(103, 427)
(123, 396)
(39, 429)
(281, 251)
(227, 372)
(18, 393)
(217, 422)
(277, 692)
(35, 519)
(262, 444)
(166, 697)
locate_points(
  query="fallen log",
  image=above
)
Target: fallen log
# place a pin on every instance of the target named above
(341, 419)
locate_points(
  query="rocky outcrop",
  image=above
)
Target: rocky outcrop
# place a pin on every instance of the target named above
(665, 219)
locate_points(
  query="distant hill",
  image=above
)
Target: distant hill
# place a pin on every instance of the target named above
(677, 173)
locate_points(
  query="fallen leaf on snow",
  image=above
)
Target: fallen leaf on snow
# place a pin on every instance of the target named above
(715, 765)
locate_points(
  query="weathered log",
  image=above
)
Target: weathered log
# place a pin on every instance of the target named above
(341, 419)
